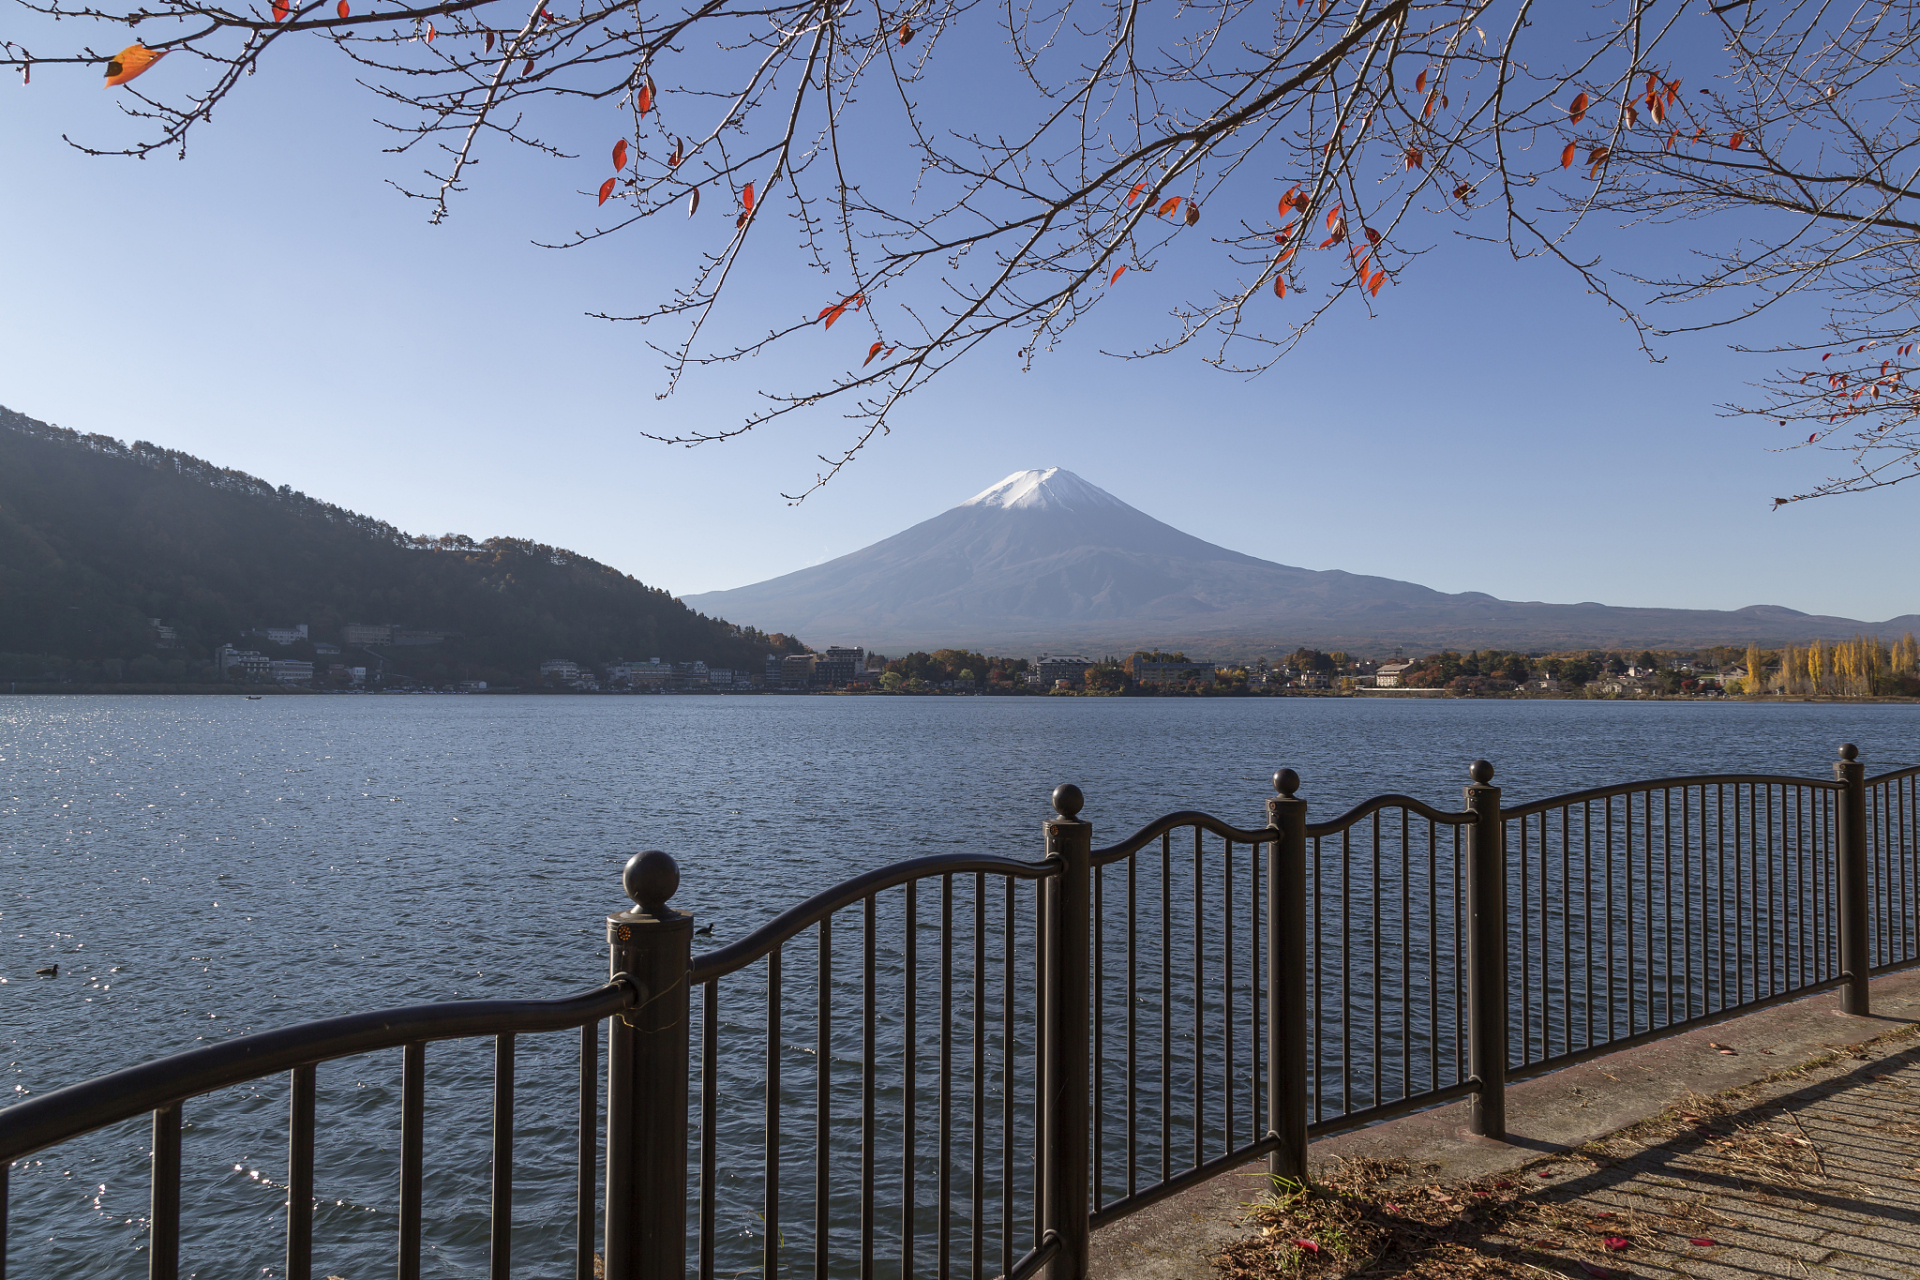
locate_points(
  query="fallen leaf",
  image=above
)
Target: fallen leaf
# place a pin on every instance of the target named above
(1503, 1186)
(1703, 1242)
(606, 189)
(1391, 1207)
(1117, 273)
(1615, 1243)
(872, 351)
(620, 154)
(1545, 1173)
(130, 62)
(1308, 1245)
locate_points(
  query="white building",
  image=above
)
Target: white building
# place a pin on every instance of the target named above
(1389, 675)
(291, 671)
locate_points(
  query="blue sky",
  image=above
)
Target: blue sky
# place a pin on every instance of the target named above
(270, 303)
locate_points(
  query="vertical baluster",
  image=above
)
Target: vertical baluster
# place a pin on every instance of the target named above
(1488, 990)
(1007, 948)
(1133, 1034)
(908, 1152)
(1099, 1038)
(300, 1174)
(978, 1142)
(1166, 1005)
(1586, 907)
(943, 1174)
(1042, 1008)
(1406, 960)
(868, 1048)
(1433, 955)
(770, 1200)
(1199, 1006)
(1255, 995)
(1626, 828)
(1376, 1069)
(1227, 1029)
(6, 1168)
(1286, 975)
(1613, 949)
(1526, 951)
(1346, 972)
(1566, 924)
(1317, 962)
(823, 1102)
(709, 1120)
(413, 1117)
(500, 1255)
(586, 1187)
(163, 1242)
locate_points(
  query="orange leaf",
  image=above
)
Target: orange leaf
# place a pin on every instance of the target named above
(430, 33)
(872, 351)
(620, 154)
(1167, 206)
(1671, 138)
(606, 189)
(1117, 273)
(1430, 101)
(1333, 216)
(1696, 134)
(130, 62)
(1279, 287)
(1420, 83)
(1284, 255)
(693, 202)
(1736, 140)
(1566, 156)
(1598, 156)
(1578, 111)
(746, 197)
(906, 35)
(1373, 285)
(674, 160)
(1134, 194)
(343, 8)
(1653, 84)
(646, 97)
(833, 313)
(280, 10)
(1414, 159)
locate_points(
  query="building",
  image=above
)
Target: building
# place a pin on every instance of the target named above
(838, 668)
(164, 637)
(560, 669)
(1050, 669)
(720, 677)
(359, 633)
(1390, 673)
(290, 671)
(796, 670)
(1147, 672)
(473, 686)
(241, 664)
(282, 635)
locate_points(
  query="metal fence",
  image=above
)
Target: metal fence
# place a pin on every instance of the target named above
(960, 1066)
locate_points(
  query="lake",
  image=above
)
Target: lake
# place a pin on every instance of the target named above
(201, 867)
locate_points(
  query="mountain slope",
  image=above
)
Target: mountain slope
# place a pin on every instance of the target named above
(1045, 559)
(96, 537)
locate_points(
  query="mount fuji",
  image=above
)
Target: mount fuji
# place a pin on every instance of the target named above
(1046, 560)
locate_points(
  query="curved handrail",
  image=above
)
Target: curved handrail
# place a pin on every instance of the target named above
(1912, 770)
(1185, 818)
(1365, 807)
(722, 961)
(1691, 780)
(41, 1121)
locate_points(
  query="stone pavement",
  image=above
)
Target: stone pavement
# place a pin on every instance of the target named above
(1811, 1169)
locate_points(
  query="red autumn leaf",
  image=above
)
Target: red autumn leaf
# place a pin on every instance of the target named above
(1736, 140)
(1284, 255)
(1566, 156)
(646, 97)
(280, 10)
(906, 35)
(1443, 101)
(1134, 194)
(620, 154)
(431, 33)
(1373, 285)
(1463, 191)
(1828, 356)
(1373, 237)
(489, 48)
(343, 8)
(1117, 273)
(1333, 216)
(832, 313)
(1503, 1185)
(1286, 201)
(1615, 1243)
(606, 189)
(1167, 206)
(1671, 139)
(1813, 437)
(746, 197)
(1420, 83)
(1598, 155)
(1279, 287)
(872, 351)
(1308, 1245)
(693, 202)
(1653, 83)
(130, 62)
(1429, 110)
(1578, 111)
(1546, 1173)
(528, 69)
(1703, 1242)
(1414, 159)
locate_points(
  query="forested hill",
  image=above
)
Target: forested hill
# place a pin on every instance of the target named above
(97, 537)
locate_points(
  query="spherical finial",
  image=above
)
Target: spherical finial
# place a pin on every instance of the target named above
(1067, 801)
(1286, 782)
(650, 879)
(1849, 752)
(1481, 771)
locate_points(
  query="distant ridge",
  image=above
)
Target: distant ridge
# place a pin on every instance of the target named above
(98, 536)
(1046, 559)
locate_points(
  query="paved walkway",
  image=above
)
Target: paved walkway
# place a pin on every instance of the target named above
(1797, 1154)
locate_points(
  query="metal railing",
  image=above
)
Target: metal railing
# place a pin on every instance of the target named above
(962, 1065)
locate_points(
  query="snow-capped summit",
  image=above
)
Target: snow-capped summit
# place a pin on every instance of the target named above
(1054, 489)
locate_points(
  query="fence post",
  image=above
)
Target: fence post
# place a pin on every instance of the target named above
(647, 1079)
(1067, 1077)
(1852, 856)
(1486, 954)
(1287, 979)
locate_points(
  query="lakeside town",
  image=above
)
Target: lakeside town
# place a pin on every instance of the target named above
(384, 657)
